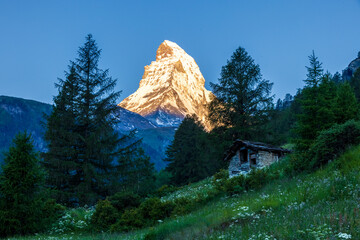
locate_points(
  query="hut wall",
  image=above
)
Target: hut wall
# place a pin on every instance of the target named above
(234, 166)
(266, 158)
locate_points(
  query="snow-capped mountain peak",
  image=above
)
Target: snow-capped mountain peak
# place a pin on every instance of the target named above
(171, 87)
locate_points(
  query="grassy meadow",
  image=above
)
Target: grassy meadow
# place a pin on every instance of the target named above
(320, 205)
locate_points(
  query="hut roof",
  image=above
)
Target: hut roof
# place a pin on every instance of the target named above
(253, 146)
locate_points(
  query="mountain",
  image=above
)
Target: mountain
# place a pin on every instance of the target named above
(351, 68)
(171, 87)
(17, 114)
(130, 121)
(155, 142)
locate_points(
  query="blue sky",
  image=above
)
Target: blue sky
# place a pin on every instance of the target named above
(38, 38)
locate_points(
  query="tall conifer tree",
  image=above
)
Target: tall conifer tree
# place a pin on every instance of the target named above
(243, 98)
(21, 189)
(316, 101)
(82, 122)
(188, 153)
(62, 137)
(355, 84)
(346, 106)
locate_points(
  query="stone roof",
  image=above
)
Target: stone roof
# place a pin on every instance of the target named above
(256, 146)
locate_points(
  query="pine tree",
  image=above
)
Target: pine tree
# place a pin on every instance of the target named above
(355, 84)
(187, 153)
(136, 172)
(337, 78)
(83, 165)
(346, 106)
(316, 103)
(96, 104)
(62, 137)
(315, 71)
(243, 98)
(21, 189)
(326, 97)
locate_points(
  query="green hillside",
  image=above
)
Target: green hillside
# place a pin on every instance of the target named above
(321, 205)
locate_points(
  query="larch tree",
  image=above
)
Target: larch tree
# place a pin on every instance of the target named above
(243, 98)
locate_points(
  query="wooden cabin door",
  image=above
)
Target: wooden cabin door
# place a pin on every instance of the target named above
(243, 156)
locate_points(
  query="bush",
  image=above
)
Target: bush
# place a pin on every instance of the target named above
(333, 142)
(52, 211)
(130, 220)
(124, 200)
(183, 206)
(235, 185)
(165, 190)
(154, 209)
(104, 216)
(256, 179)
(297, 163)
(220, 178)
(74, 220)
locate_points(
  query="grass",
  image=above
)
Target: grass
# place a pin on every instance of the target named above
(321, 205)
(191, 191)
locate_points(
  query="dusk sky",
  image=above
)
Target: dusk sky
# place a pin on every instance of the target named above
(39, 38)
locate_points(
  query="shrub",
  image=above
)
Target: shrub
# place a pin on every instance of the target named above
(183, 206)
(256, 179)
(74, 220)
(235, 185)
(124, 200)
(154, 209)
(220, 178)
(104, 216)
(165, 190)
(297, 163)
(333, 142)
(52, 211)
(130, 220)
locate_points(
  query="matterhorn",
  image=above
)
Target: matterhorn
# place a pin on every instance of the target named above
(171, 87)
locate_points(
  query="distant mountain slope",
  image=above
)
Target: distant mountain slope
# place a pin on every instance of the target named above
(155, 142)
(171, 87)
(17, 115)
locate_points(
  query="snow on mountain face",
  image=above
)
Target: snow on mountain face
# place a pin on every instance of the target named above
(171, 87)
(129, 121)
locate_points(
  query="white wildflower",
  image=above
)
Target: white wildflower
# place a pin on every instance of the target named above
(344, 235)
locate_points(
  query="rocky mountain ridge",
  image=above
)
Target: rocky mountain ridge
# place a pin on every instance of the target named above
(171, 87)
(349, 71)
